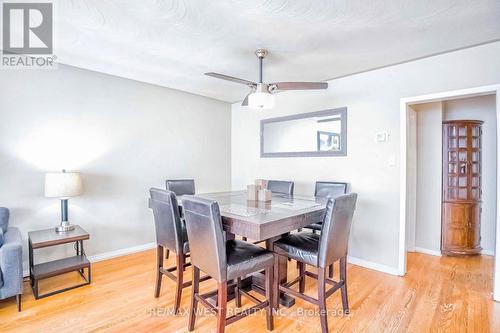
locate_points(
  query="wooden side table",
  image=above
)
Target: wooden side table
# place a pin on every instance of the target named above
(77, 263)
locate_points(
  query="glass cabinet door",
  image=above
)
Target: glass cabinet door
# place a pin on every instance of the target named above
(462, 158)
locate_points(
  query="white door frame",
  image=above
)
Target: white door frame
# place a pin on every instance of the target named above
(403, 202)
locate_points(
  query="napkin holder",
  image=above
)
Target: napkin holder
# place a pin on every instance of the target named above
(253, 192)
(261, 182)
(264, 195)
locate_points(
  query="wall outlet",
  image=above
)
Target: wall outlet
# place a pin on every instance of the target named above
(392, 161)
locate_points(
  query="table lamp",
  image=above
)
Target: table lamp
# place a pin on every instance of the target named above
(63, 185)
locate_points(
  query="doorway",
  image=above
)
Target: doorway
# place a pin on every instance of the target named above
(421, 169)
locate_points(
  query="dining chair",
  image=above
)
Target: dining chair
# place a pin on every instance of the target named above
(179, 187)
(170, 235)
(325, 190)
(280, 187)
(225, 261)
(321, 251)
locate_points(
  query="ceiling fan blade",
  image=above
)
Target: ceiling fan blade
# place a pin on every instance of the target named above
(299, 85)
(245, 101)
(231, 78)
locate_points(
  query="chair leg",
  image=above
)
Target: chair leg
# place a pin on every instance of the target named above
(18, 301)
(237, 294)
(222, 306)
(244, 238)
(314, 231)
(167, 254)
(194, 292)
(343, 289)
(178, 287)
(184, 262)
(330, 271)
(159, 264)
(276, 283)
(322, 299)
(269, 296)
(302, 282)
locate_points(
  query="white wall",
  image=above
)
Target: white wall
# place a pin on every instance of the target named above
(124, 136)
(482, 108)
(372, 101)
(429, 175)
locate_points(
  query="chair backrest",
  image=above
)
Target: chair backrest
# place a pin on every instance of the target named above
(336, 227)
(280, 187)
(206, 238)
(181, 186)
(330, 189)
(168, 225)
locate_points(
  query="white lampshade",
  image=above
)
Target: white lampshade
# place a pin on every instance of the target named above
(261, 100)
(63, 184)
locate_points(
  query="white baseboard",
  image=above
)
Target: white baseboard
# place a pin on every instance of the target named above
(372, 265)
(428, 251)
(488, 252)
(121, 252)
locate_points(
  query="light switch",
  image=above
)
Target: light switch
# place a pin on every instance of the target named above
(381, 136)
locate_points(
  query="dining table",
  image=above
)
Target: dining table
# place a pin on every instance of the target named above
(266, 222)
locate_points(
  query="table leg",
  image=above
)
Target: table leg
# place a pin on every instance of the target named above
(30, 254)
(81, 252)
(282, 277)
(35, 289)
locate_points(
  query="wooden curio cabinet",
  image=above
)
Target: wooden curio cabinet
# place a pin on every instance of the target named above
(461, 218)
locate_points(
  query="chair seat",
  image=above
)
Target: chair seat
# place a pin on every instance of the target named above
(302, 246)
(244, 258)
(315, 226)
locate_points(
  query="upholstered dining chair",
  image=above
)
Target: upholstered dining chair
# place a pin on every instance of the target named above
(321, 251)
(180, 187)
(170, 235)
(280, 187)
(326, 190)
(224, 261)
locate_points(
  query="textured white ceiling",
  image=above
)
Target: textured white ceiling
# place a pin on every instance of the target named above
(173, 42)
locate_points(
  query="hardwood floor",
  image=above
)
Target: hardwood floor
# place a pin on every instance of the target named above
(437, 295)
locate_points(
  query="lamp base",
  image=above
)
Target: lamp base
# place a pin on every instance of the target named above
(64, 227)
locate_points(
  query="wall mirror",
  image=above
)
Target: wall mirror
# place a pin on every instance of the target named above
(320, 133)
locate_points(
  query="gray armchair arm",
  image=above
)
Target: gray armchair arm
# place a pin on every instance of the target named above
(11, 264)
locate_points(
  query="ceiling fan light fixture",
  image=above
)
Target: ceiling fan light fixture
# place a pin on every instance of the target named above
(261, 98)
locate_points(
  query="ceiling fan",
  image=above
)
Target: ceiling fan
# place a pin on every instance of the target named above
(261, 94)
